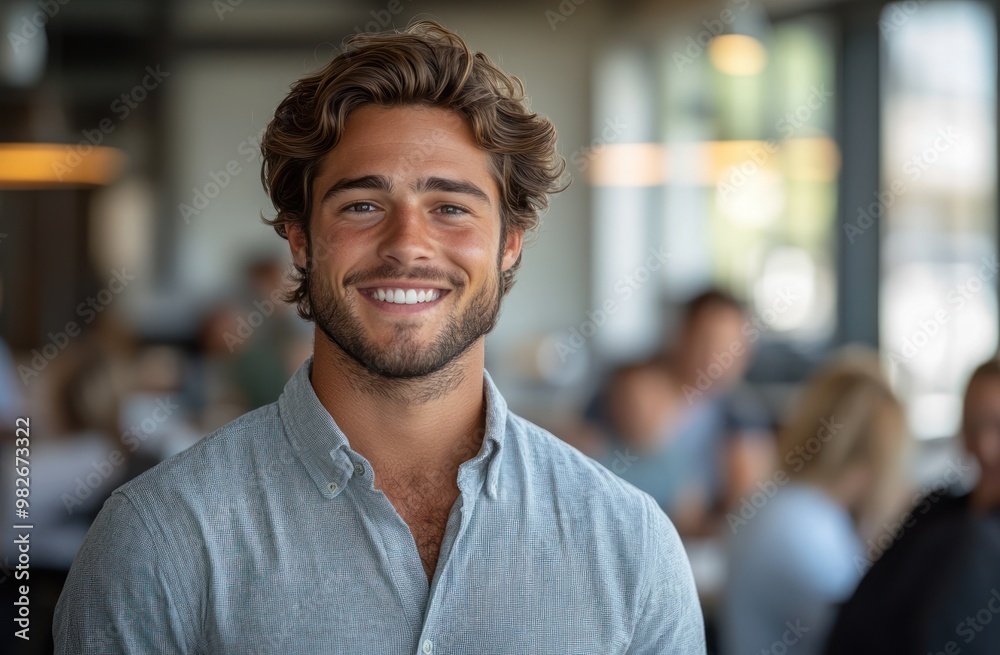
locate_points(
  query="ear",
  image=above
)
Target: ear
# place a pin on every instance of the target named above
(512, 248)
(298, 243)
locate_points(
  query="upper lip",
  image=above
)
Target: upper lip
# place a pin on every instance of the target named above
(402, 285)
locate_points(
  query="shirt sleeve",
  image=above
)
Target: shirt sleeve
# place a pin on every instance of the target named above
(117, 598)
(670, 618)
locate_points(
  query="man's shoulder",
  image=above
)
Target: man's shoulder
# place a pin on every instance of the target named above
(222, 455)
(609, 518)
(572, 473)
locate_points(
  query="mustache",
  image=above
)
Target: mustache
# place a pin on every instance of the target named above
(422, 273)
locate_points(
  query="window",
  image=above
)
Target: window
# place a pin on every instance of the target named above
(734, 173)
(937, 204)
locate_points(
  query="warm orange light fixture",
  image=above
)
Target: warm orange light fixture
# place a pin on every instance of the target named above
(52, 165)
(737, 54)
(629, 164)
(708, 163)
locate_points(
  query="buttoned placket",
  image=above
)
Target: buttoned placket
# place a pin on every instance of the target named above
(346, 476)
(470, 485)
(403, 558)
(405, 565)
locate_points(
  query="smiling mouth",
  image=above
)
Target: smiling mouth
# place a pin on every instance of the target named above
(403, 301)
(404, 296)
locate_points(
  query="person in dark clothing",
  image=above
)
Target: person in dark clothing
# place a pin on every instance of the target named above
(937, 587)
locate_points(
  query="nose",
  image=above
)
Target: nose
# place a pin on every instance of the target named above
(407, 237)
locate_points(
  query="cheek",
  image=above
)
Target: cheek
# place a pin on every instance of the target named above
(338, 249)
(988, 448)
(984, 445)
(474, 253)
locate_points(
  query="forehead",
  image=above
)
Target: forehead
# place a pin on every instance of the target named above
(718, 317)
(408, 142)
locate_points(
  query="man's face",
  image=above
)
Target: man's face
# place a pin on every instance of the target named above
(715, 335)
(405, 241)
(981, 423)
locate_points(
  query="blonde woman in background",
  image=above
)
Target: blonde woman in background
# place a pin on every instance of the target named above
(798, 548)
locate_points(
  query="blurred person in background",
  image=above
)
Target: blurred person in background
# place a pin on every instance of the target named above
(245, 349)
(936, 589)
(156, 419)
(72, 471)
(981, 435)
(680, 426)
(11, 398)
(796, 549)
(273, 340)
(210, 387)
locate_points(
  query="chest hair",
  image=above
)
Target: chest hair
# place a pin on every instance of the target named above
(423, 500)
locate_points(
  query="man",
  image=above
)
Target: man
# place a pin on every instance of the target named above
(389, 502)
(680, 426)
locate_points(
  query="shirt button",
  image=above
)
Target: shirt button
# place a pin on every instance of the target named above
(333, 487)
(428, 646)
(359, 469)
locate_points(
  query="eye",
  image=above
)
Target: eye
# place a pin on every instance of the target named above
(360, 207)
(454, 210)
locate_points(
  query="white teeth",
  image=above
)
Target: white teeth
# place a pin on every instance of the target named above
(407, 296)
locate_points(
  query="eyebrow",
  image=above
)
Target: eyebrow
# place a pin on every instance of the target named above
(373, 182)
(452, 186)
(382, 183)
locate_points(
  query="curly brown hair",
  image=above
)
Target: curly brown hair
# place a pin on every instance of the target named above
(427, 65)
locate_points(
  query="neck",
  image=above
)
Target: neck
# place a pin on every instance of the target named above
(436, 421)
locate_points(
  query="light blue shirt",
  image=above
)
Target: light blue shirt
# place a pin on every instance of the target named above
(791, 564)
(269, 536)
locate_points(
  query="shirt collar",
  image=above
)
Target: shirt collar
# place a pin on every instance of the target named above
(326, 454)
